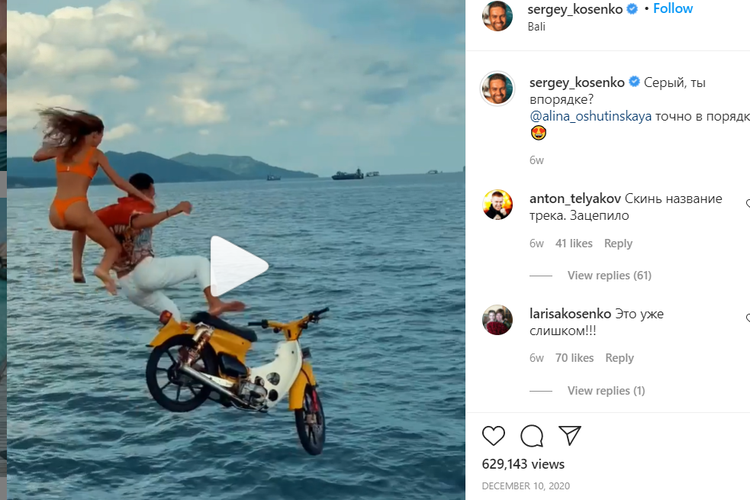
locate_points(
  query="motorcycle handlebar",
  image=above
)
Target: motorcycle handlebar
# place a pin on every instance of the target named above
(318, 313)
(313, 315)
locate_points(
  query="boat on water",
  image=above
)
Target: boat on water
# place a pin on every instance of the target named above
(372, 174)
(273, 178)
(434, 172)
(342, 176)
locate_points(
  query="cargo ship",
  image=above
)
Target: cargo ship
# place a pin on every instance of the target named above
(372, 174)
(343, 176)
(273, 178)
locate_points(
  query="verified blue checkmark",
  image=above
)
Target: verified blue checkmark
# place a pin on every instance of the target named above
(634, 81)
(632, 8)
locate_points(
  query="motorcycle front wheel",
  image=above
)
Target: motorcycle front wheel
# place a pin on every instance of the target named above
(311, 422)
(173, 390)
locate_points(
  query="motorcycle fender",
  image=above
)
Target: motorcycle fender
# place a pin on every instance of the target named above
(297, 392)
(171, 329)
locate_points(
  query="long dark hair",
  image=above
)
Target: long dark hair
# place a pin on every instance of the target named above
(66, 128)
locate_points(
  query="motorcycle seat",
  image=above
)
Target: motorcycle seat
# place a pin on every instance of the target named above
(220, 324)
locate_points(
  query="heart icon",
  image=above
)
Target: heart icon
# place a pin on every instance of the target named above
(493, 435)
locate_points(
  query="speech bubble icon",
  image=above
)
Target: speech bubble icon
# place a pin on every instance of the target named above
(493, 435)
(532, 436)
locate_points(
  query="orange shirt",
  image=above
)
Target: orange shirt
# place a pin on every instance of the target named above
(136, 243)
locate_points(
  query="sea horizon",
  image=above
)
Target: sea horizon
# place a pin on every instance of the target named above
(291, 179)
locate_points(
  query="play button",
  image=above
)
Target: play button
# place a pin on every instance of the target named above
(232, 266)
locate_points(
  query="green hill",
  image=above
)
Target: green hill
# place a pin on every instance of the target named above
(246, 167)
(190, 167)
(161, 169)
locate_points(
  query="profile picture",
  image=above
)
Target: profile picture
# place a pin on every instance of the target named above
(497, 204)
(497, 16)
(497, 89)
(497, 320)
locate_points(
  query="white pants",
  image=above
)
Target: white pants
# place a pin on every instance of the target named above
(143, 286)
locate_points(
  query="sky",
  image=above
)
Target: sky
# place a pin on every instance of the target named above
(314, 86)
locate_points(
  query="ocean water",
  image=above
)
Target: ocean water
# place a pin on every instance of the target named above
(385, 254)
(3, 319)
(3, 387)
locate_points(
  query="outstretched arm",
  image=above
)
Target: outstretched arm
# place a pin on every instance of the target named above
(150, 220)
(118, 181)
(47, 153)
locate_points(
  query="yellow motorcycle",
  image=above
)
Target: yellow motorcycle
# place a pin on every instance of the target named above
(205, 359)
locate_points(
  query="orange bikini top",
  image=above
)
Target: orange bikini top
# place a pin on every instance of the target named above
(82, 168)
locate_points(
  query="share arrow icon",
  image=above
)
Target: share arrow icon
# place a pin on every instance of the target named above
(571, 431)
(232, 266)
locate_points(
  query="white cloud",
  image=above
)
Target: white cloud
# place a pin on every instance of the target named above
(231, 60)
(152, 42)
(124, 83)
(66, 61)
(23, 106)
(191, 107)
(197, 111)
(86, 13)
(132, 9)
(121, 131)
(74, 40)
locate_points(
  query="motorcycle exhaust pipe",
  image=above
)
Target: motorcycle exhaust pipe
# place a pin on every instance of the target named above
(195, 374)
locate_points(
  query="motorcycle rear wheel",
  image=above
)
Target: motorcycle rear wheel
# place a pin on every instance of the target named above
(199, 392)
(311, 422)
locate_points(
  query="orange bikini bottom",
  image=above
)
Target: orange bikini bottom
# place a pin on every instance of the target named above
(61, 206)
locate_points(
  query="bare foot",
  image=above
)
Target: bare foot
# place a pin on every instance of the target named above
(109, 283)
(78, 277)
(220, 307)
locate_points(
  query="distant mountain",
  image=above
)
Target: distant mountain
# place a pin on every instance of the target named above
(244, 166)
(161, 169)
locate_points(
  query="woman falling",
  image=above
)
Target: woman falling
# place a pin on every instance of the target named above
(71, 138)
